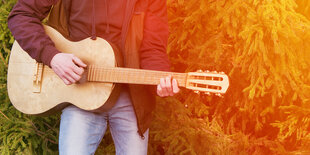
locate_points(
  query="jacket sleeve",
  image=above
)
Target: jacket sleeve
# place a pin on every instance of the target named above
(24, 22)
(153, 53)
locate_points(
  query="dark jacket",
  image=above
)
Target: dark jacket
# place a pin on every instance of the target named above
(143, 39)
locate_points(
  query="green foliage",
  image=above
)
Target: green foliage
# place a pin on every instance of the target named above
(19, 133)
(262, 45)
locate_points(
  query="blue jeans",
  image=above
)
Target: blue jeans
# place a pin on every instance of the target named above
(81, 131)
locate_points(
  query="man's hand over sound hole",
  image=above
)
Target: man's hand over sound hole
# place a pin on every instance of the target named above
(68, 67)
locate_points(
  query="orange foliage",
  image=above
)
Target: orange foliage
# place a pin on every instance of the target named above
(264, 47)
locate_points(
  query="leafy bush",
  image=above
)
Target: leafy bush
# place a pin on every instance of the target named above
(263, 47)
(19, 133)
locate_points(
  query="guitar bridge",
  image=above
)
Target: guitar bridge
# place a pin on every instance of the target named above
(37, 77)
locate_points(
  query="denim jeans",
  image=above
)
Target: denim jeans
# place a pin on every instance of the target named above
(81, 131)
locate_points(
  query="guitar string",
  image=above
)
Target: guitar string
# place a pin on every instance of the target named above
(96, 73)
(134, 76)
(137, 73)
(153, 75)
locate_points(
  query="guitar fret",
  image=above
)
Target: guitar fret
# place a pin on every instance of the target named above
(90, 73)
(112, 75)
(109, 76)
(128, 75)
(103, 75)
(144, 77)
(98, 74)
(94, 73)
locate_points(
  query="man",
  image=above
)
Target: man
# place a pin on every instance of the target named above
(138, 27)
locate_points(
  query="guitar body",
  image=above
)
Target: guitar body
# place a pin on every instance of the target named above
(32, 97)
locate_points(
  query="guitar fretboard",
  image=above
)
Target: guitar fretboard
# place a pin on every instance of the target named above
(132, 76)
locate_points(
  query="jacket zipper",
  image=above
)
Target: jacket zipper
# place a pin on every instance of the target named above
(93, 35)
(129, 18)
(124, 41)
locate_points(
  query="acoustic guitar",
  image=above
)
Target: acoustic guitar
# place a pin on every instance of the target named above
(34, 88)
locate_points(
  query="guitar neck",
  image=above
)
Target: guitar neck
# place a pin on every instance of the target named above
(131, 76)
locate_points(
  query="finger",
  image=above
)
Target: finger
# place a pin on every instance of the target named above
(163, 87)
(74, 76)
(175, 86)
(78, 70)
(159, 91)
(168, 85)
(70, 74)
(64, 78)
(61, 74)
(78, 61)
(69, 78)
(65, 81)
